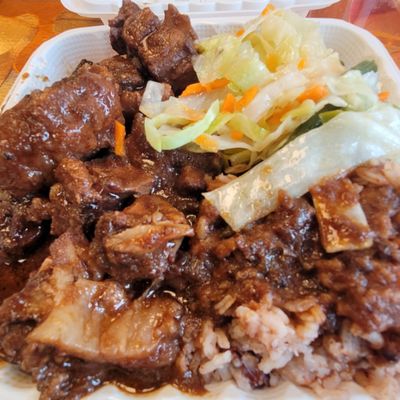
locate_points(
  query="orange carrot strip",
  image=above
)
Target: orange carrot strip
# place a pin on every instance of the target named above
(247, 98)
(206, 143)
(217, 84)
(119, 136)
(315, 93)
(240, 32)
(383, 96)
(301, 64)
(194, 88)
(228, 106)
(276, 117)
(236, 135)
(267, 9)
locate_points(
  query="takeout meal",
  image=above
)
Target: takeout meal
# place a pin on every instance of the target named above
(188, 212)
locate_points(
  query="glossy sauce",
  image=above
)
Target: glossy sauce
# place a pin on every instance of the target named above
(15, 275)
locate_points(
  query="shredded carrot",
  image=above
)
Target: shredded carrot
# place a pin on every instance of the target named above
(194, 88)
(247, 98)
(119, 136)
(240, 32)
(267, 9)
(206, 143)
(301, 64)
(315, 93)
(237, 135)
(272, 61)
(217, 84)
(228, 106)
(383, 96)
(276, 117)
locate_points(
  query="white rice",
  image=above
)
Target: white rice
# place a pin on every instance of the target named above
(283, 343)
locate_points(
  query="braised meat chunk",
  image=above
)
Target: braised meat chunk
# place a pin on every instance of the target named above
(141, 241)
(108, 328)
(368, 281)
(21, 312)
(15, 274)
(165, 49)
(267, 257)
(74, 117)
(130, 27)
(128, 9)
(24, 227)
(85, 190)
(137, 27)
(167, 52)
(128, 74)
(21, 225)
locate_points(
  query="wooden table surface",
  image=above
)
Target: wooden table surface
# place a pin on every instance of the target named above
(25, 24)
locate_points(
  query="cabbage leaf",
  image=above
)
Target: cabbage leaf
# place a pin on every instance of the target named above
(344, 142)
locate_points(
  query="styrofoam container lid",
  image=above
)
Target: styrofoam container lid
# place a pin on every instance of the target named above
(202, 9)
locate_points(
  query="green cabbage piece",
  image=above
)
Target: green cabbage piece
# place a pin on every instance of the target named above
(226, 56)
(349, 139)
(165, 137)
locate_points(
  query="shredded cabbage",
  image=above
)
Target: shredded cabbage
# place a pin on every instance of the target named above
(355, 89)
(279, 75)
(344, 142)
(226, 56)
(162, 137)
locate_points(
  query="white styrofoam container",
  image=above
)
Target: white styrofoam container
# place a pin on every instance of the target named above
(206, 9)
(59, 56)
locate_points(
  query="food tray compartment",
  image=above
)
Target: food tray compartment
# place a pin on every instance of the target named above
(59, 56)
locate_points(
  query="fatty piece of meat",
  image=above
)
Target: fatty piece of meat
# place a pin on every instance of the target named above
(136, 341)
(128, 73)
(173, 170)
(21, 312)
(73, 118)
(167, 52)
(141, 241)
(21, 226)
(342, 222)
(108, 328)
(85, 190)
